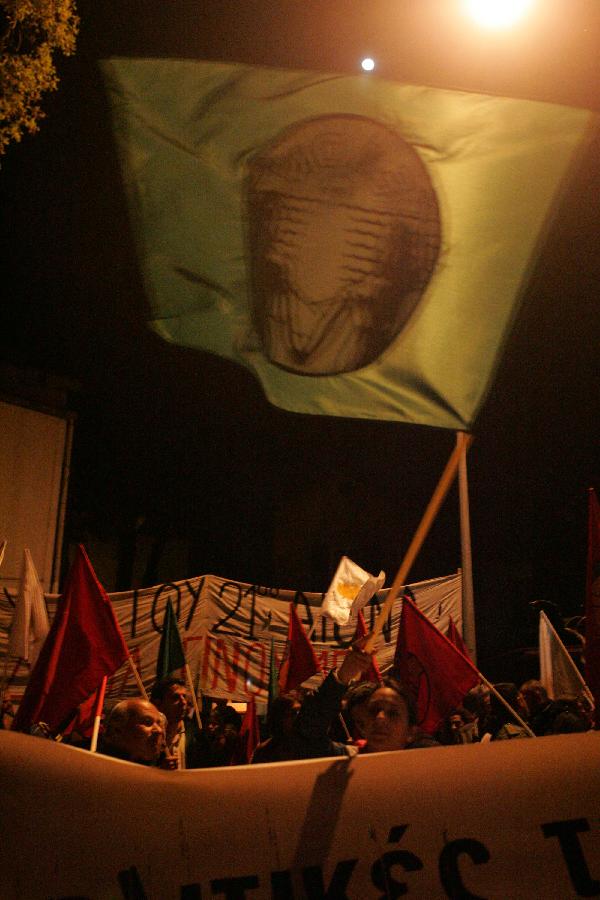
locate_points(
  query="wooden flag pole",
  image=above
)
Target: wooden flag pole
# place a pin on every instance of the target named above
(425, 524)
(98, 714)
(194, 697)
(138, 680)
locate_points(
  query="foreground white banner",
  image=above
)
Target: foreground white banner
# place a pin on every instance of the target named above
(514, 819)
(227, 627)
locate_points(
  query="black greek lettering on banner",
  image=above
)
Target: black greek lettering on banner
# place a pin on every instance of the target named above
(131, 884)
(196, 596)
(573, 855)
(381, 870)
(231, 613)
(234, 888)
(312, 876)
(448, 866)
(164, 588)
(190, 892)
(299, 596)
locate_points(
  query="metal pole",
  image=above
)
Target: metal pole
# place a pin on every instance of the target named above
(468, 609)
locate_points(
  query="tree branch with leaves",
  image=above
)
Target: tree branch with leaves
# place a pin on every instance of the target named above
(32, 32)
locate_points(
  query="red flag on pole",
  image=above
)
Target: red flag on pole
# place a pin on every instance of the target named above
(372, 673)
(455, 637)
(249, 736)
(84, 644)
(300, 660)
(437, 674)
(592, 605)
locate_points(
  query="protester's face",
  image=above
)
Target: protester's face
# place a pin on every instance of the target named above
(456, 723)
(142, 735)
(386, 725)
(175, 702)
(214, 726)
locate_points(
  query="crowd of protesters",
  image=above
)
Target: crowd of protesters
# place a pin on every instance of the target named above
(343, 717)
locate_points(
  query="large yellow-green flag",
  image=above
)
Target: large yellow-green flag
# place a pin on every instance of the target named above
(360, 245)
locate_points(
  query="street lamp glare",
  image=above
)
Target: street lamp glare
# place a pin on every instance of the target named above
(497, 13)
(368, 64)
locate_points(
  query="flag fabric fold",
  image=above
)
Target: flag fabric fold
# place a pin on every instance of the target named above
(456, 638)
(351, 588)
(170, 652)
(300, 661)
(592, 604)
(30, 623)
(433, 669)
(84, 644)
(361, 245)
(558, 672)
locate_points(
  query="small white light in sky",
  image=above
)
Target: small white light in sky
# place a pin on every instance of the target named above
(497, 13)
(368, 64)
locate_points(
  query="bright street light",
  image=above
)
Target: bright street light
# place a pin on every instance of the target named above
(368, 64)
(497, 13)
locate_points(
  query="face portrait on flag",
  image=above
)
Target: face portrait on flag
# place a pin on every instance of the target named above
(344, 234)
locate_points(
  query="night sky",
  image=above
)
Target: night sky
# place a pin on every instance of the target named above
(173, 445)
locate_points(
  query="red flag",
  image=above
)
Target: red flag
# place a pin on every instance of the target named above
(300, 661)
(372, 673)
(82, 722)
(437, 674)
(249, 736)
(455, 637)
(84, 644)
(592, 604)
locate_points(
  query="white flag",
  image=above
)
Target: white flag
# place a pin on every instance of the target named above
(30, 623)
(349, 591)
(558, 673)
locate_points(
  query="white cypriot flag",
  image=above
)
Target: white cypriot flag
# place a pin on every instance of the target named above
(349, 591)
(30, 623)
(558, 673)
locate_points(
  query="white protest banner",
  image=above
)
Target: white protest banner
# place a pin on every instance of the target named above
(226, 628)
(512, 819)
